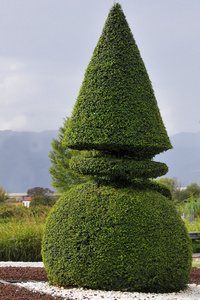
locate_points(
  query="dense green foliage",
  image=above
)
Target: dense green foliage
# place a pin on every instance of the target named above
(3, 196)
(115, 168)
(116, 109)
(120, 239)
(191, 205)
(180, 194)
(192, 191)
(21, 248)
(159, 187)
(39, 191)
(116, 113)
(185, 209)
(21, 231)
(119, 232)
(21, 212)
(42, 200)
(62, 177)
(172, 183)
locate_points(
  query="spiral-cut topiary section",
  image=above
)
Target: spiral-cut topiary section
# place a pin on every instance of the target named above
(116, 111)
(116, 239)
(126, 169)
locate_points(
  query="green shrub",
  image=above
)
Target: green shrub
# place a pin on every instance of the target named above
(196, 246)
(5, 213)
(116, 239)
(17, 212)
(21, 212)
(41, 200)
(194, 226)
(191, 205)
(21, 236)
(21, 249)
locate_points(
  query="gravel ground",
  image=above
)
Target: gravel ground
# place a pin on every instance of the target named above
(35, 289)
(192, 293)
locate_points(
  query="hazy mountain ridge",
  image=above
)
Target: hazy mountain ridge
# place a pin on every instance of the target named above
(24, 160)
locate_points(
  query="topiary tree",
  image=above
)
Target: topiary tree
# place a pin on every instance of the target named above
(121, 230)
(116, 110)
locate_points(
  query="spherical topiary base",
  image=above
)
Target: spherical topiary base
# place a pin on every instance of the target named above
(101, 237)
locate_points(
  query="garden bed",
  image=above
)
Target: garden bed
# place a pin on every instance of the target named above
(10, 291)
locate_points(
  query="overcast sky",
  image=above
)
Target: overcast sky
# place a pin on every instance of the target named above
(46, 45)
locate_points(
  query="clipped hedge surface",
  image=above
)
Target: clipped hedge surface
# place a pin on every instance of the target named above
(118, 168)
(116, 109)
(116, 239)
(159, 187)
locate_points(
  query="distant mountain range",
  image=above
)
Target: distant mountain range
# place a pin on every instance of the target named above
(24, 160)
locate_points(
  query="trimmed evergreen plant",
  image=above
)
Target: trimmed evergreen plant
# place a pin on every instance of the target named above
(121, 230)
(62, 176)
(109, 238)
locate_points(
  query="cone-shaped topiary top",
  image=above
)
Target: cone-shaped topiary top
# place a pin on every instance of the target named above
(116, 109)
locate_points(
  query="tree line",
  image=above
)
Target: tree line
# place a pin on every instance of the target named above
(181, 194)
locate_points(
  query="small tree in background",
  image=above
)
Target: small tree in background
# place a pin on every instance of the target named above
(118, 231)
(179, 195)
(174, 186)
(193, 190)
(172, 183)
(41, 200)
(3, 196)
(62, 176)
(39, 191)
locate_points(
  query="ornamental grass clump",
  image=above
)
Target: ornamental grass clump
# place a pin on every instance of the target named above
(119, 231)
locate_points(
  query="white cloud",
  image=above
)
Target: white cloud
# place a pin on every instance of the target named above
(36, 95)
(45, 48)
(10, 88)
(13, 123)
(12, 80)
